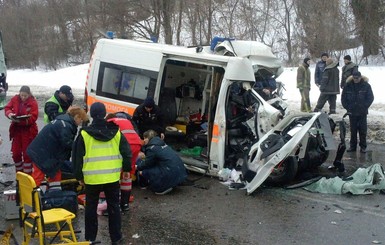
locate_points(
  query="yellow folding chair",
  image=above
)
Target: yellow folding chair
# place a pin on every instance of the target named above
(46, 225)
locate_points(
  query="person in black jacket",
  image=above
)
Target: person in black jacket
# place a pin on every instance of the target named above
(329, 87)
(51, 149)
(58, 104)
(149, 116)
(356, 98)
(347, 70)
(99, 154)
(319, 69)
(162, 168)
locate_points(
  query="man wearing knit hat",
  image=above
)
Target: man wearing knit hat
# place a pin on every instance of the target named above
(347, 70)
(149, 116)
(319, 68)
(99, 154)
(329, 87)
(303, 84)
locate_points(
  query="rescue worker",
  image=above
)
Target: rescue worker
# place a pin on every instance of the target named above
(51, 149)
(58, 103)
(23, 129)
(356, 98)
(99, 154)
(303, 84)
(128, 130)
(149, 116)
(162, 168)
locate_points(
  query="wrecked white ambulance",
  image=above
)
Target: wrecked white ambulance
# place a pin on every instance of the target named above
(214, 117)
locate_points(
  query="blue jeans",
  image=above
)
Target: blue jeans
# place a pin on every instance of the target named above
(111, 191)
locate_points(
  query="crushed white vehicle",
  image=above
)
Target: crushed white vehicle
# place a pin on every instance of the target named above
(216, 118)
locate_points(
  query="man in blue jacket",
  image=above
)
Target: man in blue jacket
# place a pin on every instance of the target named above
(319, 69)
(356, 98)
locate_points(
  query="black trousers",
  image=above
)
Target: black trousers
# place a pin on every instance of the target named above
(323, 98)
(358, 124)
(111, 191)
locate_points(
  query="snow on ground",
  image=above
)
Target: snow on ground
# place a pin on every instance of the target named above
(44, 83)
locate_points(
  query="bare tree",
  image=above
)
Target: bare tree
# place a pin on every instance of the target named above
(370, 17)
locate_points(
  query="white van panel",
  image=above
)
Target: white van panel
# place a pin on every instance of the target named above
(239, 69)
(116, 53)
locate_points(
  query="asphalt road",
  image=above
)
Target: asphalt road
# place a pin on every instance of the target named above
(207, 212)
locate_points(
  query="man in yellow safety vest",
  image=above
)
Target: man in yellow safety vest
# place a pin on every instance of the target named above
(99, 154)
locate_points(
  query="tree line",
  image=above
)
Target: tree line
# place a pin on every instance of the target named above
(56, 33)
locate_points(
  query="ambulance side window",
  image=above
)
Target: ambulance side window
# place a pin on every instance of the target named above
(125, 83)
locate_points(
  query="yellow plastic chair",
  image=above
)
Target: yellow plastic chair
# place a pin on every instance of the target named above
(46, 225)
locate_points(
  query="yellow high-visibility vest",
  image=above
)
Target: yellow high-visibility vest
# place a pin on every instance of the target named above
(54, 100)
(102, 161)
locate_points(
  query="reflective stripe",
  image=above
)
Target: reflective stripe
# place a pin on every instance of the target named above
(102, 158)
(101, 171)
(216, 130)
(102, 146)
(128, 131)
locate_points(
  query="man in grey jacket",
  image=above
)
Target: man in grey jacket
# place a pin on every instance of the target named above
(347, 70)
(329, 87)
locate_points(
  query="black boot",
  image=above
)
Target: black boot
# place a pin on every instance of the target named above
(125, 200)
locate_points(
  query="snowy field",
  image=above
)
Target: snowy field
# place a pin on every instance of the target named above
(44, 83)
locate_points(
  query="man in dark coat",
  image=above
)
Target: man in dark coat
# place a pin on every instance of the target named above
(149, 116)
(356, 98)
(162, 168)
(319, 68)
(329, 87)
(347, 70)
(51, 149)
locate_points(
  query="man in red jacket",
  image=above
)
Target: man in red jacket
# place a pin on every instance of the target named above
(122, 119)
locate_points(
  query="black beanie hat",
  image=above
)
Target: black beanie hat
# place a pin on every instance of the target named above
(347, 57)
(324, 54)
(98, 110)
(306, 60)
(149, 102)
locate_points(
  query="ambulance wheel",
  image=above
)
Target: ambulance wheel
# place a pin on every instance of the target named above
(284, 172)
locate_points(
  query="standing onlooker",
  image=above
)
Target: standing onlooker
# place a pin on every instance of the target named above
(3, 90)
(329, 87)
(51, 149)
(128, 130)
(347, 70)
(303, 84)
(99, 154)
(149, 116)
(23, 111)
(319, 69)
(58, 103)
(356, 98)
(162, 168)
